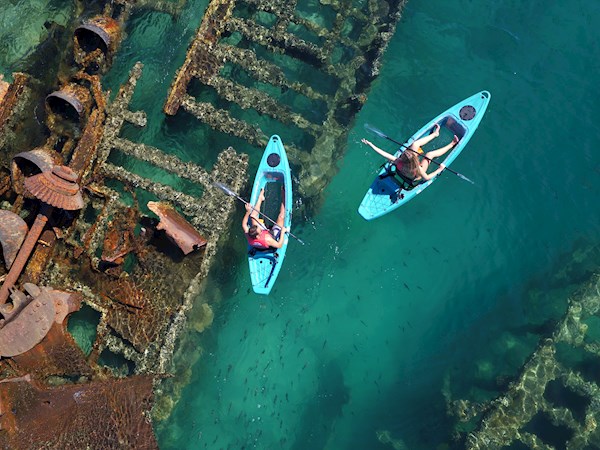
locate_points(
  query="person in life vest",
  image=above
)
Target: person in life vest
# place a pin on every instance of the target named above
(257, 234)
(409, 163)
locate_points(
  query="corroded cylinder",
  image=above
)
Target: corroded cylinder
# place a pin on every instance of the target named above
(99, 32)
(72, 101)
(26, 164)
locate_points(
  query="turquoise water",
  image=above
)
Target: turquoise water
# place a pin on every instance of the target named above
(371, 322)
(367, 320)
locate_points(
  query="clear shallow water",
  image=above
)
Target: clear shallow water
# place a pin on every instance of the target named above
(369, 322)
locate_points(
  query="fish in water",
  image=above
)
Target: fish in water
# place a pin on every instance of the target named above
(361, 321)
(301, 350)
(324, 344)
(406, 286)
(436, 249)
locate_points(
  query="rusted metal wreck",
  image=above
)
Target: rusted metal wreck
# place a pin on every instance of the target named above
(75, 238)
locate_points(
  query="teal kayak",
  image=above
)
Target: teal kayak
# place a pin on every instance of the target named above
(274, 168)
(388, 193)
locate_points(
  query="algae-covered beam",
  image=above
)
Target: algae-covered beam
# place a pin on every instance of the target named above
(279, 41)
(263, 103)
(222, 121)
(191, 206)
(265, 71)
(167, 162)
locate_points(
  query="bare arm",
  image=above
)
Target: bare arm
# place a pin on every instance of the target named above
(246, 217)
(383, 153)
(279, 243)
(428, 176)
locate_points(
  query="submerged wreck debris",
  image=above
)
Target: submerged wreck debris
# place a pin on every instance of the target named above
(13, 99)
(516, 415)
(177, 228)
(13, 230)
(97, 252)
(98, 414)
(283, 48)
(142, 302)
(56, 189)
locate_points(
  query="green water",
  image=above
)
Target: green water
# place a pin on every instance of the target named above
(370, 320)
(367, 320)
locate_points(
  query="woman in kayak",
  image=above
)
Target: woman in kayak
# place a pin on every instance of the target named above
(259, 236)
(408, 163)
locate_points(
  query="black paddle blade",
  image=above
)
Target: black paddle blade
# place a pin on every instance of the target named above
(224, 188)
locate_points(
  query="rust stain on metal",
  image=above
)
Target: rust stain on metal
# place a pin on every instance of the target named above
(57, 188)
(69, 416)
(25, 327)
(32, 162)
(96, 40)
(177, 228)
(119, 237)
(57, 354)
(13, 230)
(11, 97)
(42, 254)
(73, 102)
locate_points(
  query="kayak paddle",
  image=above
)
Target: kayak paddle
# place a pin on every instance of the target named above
(233, 194)
(381, 134)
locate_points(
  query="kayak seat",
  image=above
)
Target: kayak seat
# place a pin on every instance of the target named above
(403, 182)
(254, 251)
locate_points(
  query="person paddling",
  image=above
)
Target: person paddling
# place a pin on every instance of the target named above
(409, 165)
(258, 235)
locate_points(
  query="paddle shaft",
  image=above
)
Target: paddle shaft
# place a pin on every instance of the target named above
(265, 216)
(429, 159)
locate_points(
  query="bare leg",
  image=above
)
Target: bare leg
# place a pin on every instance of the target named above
(426, 139)
(439, 152)
(281, 216)
(257, 205)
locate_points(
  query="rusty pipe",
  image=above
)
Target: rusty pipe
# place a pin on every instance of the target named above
(25, 251)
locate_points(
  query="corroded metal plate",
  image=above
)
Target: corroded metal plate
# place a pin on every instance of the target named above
(29, 327)
(13, 230)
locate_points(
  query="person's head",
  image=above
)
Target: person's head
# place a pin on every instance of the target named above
(410, 160)
(253, 231)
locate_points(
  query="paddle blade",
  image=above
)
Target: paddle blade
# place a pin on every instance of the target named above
(460, 175)
(224, 189)
(374, 130)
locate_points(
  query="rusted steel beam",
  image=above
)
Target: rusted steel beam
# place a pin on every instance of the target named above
(11, 97)
(209, 32)
(42, 253)
(179, 230)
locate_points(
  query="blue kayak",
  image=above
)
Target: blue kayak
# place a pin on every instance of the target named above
(274, 168)
(387, 193)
